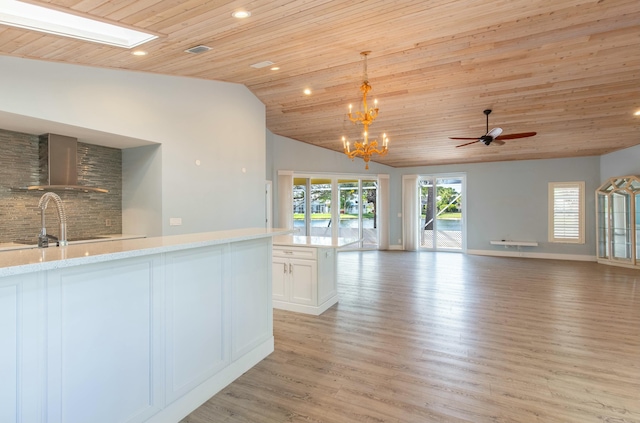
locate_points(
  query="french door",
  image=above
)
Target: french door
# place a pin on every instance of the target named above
(441, 212)
(333, 206)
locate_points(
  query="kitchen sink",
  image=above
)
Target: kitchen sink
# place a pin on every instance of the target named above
(87, 238)
(52, 242)
(27, 243)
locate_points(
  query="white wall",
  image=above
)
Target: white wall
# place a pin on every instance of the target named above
(620, 163)
(509, 200)
(505, 200)
(220, 124)
(142, 190)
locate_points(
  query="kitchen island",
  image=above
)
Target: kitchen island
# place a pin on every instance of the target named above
(305, 272)
(137, 330)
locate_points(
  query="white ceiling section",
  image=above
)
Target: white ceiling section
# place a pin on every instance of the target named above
(568, 70)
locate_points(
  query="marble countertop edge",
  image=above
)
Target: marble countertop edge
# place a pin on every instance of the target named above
(16, 262)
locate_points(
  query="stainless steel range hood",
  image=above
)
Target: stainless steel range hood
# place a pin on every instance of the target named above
(59, 165)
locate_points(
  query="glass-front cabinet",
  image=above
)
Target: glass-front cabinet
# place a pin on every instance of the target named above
(618, 220)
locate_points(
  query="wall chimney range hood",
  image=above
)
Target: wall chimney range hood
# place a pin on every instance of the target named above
(59, 165)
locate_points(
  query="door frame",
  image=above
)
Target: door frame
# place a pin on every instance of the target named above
(463, 227)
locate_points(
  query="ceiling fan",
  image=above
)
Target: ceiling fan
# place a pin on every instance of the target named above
(493, 136)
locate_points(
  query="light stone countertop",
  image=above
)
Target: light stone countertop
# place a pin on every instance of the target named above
(20, 261)
(312, 241)
(5, 246)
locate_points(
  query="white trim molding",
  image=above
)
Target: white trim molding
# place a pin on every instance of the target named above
(517, 253)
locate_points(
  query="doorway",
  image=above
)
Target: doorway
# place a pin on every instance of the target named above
(442, 213)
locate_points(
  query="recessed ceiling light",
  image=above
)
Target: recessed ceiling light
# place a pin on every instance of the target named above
(241, 14)
(139, 53)
(275, 68)
(38, 18)
(637, 113)
(307, 91)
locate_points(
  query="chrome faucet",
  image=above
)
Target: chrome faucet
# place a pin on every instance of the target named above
(43, 238)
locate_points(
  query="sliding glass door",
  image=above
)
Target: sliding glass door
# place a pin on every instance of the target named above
(354, 215)
(441, 215)
(369, 194)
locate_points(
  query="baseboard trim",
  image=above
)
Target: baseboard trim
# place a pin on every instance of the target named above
(306, 309)
(181, 407)
(548, 256)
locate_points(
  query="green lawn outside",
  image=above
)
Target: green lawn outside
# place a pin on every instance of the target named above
(319, 216)
(451, 215)
(314, 216)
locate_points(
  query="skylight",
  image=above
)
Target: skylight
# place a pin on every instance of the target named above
(37, 18)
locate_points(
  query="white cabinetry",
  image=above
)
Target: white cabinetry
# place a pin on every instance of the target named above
(304, 279)
(130, 340)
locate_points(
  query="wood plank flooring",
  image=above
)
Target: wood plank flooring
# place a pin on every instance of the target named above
(443, 337)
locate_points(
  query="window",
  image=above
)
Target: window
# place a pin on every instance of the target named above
(566, 212)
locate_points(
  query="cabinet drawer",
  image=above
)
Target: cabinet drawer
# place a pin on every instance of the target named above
(295, 252)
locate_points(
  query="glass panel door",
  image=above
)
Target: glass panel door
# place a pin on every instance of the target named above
(326, 206)
(637, 244)
(369, 214)
(620, 226)
(427, 212)
(350, 212)
(320, 205)
(441, 213)
(300, 206)
(603, 225)
(449, 213)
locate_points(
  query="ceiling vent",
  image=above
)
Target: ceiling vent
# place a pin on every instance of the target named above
(197, 49)
(261, 64)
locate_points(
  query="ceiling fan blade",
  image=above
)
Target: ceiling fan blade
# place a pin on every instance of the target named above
(469, 143)
(459, 138)
(514, 136)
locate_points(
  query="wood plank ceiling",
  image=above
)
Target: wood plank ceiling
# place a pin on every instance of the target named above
(567, 69)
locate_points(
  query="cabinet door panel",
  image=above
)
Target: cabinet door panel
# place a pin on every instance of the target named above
(251, 315)
(9, 339)
(303, 281)
(196, 318)
(327, 285)
(280, 275)
(101, 332)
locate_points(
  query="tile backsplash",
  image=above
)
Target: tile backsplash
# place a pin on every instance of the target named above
(88, 214)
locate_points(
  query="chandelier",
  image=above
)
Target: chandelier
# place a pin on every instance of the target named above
(366, 148)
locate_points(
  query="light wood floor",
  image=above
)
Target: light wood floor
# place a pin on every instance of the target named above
(444, 337)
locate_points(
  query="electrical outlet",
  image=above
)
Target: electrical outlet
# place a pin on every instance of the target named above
(107, 222)
(175, 221)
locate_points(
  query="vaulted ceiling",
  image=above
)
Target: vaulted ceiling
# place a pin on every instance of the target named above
(566, 69)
